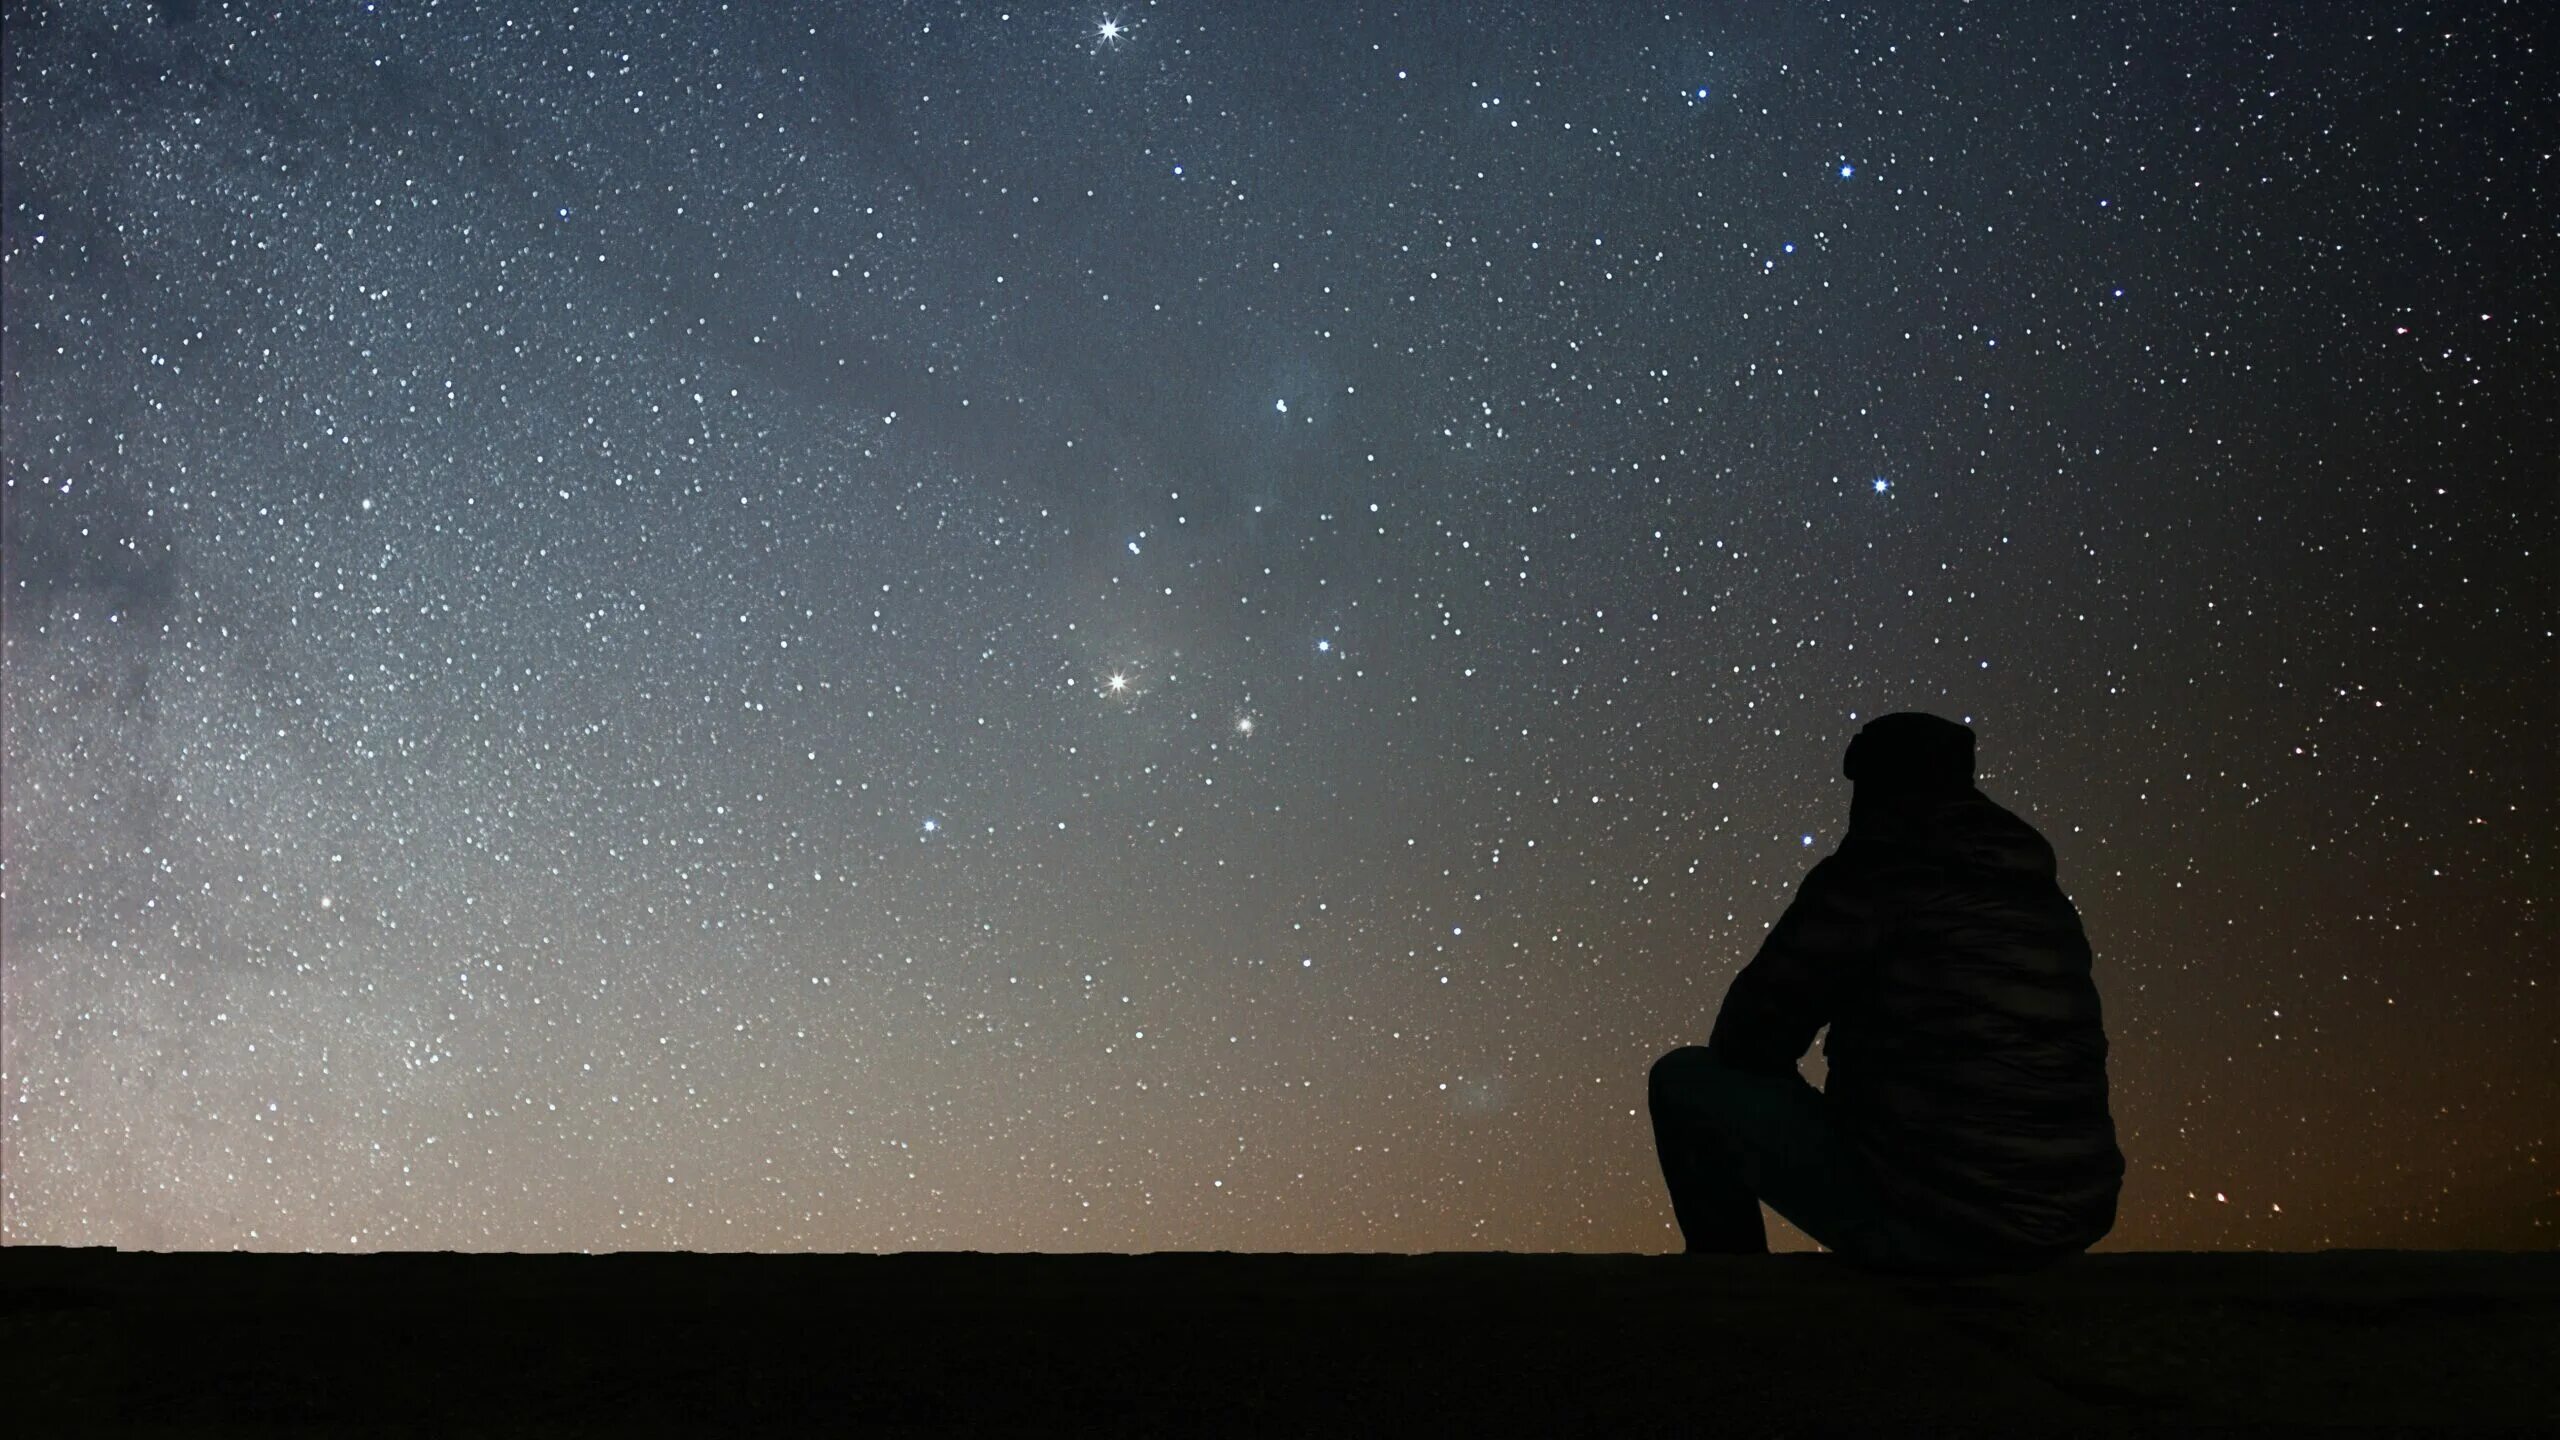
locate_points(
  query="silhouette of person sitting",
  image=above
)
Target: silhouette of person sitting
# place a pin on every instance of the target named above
(1965, 1125)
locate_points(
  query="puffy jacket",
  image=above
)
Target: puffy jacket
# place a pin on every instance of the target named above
(1967, 1058)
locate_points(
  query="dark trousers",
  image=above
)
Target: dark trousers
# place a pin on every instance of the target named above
(1730, 1139)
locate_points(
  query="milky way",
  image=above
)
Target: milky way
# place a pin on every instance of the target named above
(1206, 626)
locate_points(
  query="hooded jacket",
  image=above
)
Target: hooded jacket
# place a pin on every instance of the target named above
(1967, 1057)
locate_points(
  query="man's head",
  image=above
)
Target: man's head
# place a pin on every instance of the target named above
(1910, 752)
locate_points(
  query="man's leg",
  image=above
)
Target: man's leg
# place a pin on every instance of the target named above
(1730, 1139)
(1716, 1205)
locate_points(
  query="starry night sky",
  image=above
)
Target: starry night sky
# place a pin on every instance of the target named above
(1207, 625)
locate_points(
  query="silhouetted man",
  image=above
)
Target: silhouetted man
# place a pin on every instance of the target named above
(1965, 1126)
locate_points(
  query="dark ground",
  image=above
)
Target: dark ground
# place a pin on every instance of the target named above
(1197, 1344)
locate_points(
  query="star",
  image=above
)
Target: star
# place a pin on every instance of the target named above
(1118, 684)
(1109, 31)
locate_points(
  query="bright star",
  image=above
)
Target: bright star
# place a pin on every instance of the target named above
(1882, 484)
(1109, 32)
(1118, 683)
(1244, 724)
(932, 825)
(1324, 647)
(1848, 170)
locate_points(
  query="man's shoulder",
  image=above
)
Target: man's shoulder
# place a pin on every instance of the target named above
(1971, 833)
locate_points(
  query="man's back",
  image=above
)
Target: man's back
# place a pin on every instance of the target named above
(1967, 1055)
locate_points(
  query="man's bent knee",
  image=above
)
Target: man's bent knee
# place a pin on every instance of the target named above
(1669, 1070)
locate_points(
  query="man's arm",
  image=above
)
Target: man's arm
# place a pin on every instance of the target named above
(1792, 988)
